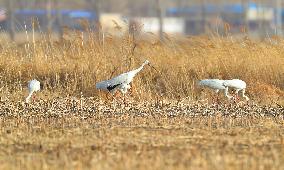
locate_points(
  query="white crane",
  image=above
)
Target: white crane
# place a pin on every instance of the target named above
(215, 84)
(33, 86)
(121, 82)
(237, 85)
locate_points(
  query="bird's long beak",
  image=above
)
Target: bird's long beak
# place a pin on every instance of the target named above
(153, 67)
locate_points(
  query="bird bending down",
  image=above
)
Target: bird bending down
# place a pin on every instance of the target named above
(33, 86)
(215, 84)
(121, 82)
(238, 85)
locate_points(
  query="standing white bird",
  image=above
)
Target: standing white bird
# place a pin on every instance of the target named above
(237, 85)
(120, 82)
(215, 84)
(33, 86)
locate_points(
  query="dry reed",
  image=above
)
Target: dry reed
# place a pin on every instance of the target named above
(75, 63)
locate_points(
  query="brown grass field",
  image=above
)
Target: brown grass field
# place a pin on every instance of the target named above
(167, 122)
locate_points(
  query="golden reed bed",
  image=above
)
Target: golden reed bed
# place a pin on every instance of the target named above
(73, 66)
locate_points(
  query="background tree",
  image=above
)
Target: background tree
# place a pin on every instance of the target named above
(10, 14)
(160, 13)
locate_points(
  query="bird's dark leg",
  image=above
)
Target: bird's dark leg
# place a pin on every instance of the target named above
(233, 97)
(113, 101)
(127, 98)
(124, 98)
(33, 98)
(243, 95)
(237, 98)
(216, 97)
(114, 96)
(227, 94)
(106, 96)
(121, 95)
(109, 96)
(131, 89)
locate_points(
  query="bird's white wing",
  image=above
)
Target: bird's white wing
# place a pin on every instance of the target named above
(112, 83)
(37, 85)
(212, 83)
(102, 85)
(235, 83)
(34, 85)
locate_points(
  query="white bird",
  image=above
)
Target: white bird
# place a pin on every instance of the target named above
(215, 84)
(121, 82)
(33, 86)
(237, 85)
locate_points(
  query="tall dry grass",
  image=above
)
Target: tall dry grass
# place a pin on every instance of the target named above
(75, 63)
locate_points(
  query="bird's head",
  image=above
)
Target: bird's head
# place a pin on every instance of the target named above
(146, 62)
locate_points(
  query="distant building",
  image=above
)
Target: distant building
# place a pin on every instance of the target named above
(199, 18)
(68, 18)
(171, 25)
(192, 20)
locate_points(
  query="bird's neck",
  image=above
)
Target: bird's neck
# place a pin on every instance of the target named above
(140, 68)
(29, 96)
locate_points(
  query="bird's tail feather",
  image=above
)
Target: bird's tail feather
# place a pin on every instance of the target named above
(101, 85)
(202, 82)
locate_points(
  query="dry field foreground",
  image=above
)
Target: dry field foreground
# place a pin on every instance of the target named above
(165, 124)
(84, 133)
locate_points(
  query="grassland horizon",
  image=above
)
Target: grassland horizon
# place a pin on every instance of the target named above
(75, 63)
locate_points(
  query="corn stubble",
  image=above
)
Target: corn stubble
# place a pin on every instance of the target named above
(165, 123)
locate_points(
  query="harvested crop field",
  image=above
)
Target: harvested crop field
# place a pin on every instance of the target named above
(166, 122)
(85, 133)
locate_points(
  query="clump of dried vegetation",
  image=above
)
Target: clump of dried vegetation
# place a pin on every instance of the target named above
(165, 122)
